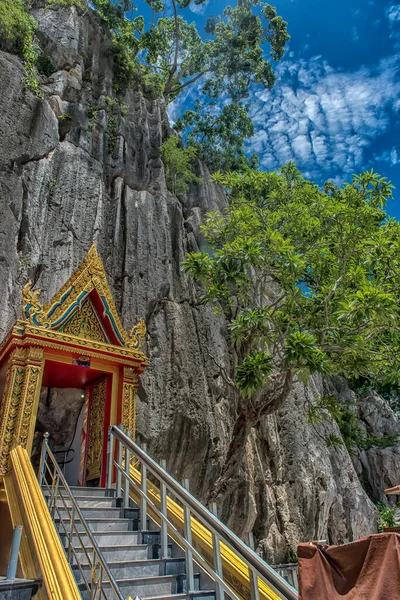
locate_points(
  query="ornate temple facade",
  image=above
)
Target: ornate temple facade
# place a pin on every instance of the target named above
(75, 341)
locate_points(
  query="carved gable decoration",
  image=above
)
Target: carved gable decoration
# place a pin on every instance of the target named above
(71, 310)
(85, 324)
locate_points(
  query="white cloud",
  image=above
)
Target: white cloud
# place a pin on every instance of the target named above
(389, 156)
(324, 119)
(199, 9)
(393, 12)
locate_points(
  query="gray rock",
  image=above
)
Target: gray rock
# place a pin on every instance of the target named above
(62, 189)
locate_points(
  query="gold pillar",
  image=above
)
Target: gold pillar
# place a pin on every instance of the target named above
(129, 389)
(25, 427)
(19, 402)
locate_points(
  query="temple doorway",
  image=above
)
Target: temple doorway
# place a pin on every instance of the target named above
(74, 409)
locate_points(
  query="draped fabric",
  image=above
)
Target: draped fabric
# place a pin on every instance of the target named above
(368, 569)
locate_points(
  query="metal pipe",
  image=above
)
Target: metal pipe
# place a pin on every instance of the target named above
(87, 531)
(175, 533)
(110, 458)
(42, 457)
(13, 562)
(143, 503)
(188, 535)
(126, 481)
(264, 570)
(163, 506)
(119, 459)
(254, 591)
(219, 592)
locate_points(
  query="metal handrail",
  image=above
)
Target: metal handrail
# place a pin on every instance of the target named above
(98, 561)
(257, 566)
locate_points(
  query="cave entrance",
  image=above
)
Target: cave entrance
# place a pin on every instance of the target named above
(69, 367)
(74, 408)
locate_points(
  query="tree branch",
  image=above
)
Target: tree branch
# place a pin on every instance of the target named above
(176, 55)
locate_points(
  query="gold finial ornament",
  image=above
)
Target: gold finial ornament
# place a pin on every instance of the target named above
(32, 309)
(137, 335)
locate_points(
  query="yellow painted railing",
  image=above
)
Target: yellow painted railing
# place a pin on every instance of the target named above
(27, 504)
(235, 570)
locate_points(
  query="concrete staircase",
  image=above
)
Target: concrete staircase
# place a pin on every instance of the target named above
(132, 554)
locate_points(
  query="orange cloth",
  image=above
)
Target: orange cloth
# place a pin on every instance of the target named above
(368, 569)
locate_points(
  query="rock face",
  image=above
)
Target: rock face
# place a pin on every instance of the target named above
(95, 175)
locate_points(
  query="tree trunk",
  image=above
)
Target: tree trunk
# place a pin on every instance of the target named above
(234, 490)
(234, 458)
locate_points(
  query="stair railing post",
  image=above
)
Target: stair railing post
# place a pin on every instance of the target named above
(254, 591)
(119, 476)
(187, 525)
(13, 561)
(163, 507)
(127, 473)
(71, 528)
(43, 454)
(143, 503)
(219, 592)
(111, 440)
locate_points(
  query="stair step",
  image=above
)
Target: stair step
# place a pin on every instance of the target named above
(119, 553)
(114, 537)
(200, 595)
(92, 491)
(102, 513)
(88, 502)
(98, 524)
(166, 585)
(132, 569)
(21, 589)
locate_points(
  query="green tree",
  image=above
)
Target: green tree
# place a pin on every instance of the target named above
(219, 135)
(178, 164)
(168, 55)
(308, 282)
(17, 30)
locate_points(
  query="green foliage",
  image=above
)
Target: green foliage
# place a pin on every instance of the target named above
(17, 30)
(178, 164)
(65, 118)
(309, 276)
(345, 415)
(169, 55)
(65, 3)
(92, 114)
(253, 370)
(219, 135)
(290, 556)
(389, 391)
(45, 65)
(386, 515)
(115, 108)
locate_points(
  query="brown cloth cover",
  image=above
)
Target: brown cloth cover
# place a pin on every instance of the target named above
(368, 569)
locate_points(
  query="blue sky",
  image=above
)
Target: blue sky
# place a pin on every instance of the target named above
(335, 106)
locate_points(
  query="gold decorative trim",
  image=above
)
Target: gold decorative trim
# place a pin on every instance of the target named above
(27, 556)
(57, 575)
(30, 397)
(88, 276)
(57, 336)
(84, 439)
(96, 429)
(10, 405)
(129, 389)
(84, 324)
(32, 310)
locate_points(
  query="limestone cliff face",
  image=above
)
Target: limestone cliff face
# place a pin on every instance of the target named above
(98, 177)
